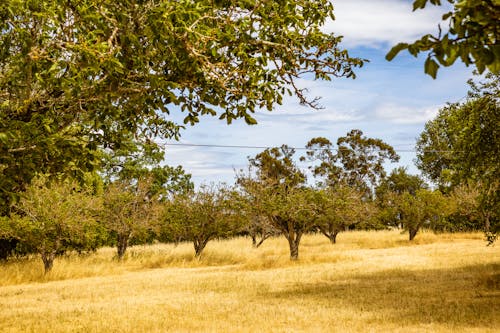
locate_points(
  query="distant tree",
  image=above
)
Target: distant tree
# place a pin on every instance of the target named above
(129, 210)
(462, 144)
(425, 208)
(472, 36)
(390, 189)
(357, 161)
(340, 208)
(53, 217)
(277, 191)
(203, 215)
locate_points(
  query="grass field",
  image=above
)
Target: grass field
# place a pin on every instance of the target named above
(368, 282)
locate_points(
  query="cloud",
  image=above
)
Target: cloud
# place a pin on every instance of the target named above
(400, 114)
(382, 23)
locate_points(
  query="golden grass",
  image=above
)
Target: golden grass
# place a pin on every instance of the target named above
(368, 282)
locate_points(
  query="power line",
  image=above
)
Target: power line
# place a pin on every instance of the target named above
(295, 148)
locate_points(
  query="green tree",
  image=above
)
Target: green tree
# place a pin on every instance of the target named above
(339, 208)
(203, 215)
(390, 189)
(129, 211)
(472, 36)
(462, 144)
(425, 208)
(357, 161)
(79, 76)
(53, 217)
(276, 188)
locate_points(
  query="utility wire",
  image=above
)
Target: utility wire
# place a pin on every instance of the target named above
(295, 148)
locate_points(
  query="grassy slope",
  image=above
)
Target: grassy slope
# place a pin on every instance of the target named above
(369, 281)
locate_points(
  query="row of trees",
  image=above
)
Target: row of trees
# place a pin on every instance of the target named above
(271, 198)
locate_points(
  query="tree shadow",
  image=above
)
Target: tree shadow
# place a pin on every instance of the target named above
(460, 297)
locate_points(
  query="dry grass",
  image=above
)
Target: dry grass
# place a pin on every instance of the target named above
(368, 282)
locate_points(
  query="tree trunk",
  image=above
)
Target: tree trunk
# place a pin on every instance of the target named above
(413, 233)
(199, 245)
(333, 237)
(294, 250)
(48, 261)
(122, 245)
(254, 241)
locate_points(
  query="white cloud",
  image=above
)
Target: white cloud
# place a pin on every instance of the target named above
(382, 23)
(400, 114)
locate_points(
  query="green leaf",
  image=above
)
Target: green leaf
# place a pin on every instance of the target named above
(395, 50)
(431, 67)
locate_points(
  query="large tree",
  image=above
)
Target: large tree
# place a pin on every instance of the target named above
(356, 161)
(76, 76)
(462, 144)
(471, 35)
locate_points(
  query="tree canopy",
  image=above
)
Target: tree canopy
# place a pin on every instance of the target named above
(76, 76)
(472, 36)
(462, 144)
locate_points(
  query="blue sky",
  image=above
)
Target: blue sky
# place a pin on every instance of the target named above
(388, 100)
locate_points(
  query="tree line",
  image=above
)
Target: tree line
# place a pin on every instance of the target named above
(271, 198)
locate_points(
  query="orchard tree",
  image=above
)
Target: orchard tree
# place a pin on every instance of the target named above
(471, 35)
(277, 190)
(129, 211)
(203, 215)
(425, 208)
(389, 191)
(356, 161)
(79, 77)
(340, 208)
(53, 217)
(462, 144)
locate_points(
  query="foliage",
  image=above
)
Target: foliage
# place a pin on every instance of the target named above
(129, 210)
(389, 190)
(53, 217)
(356, 162)
(140, 160)
(462, 144)
(425, 208)
(79, 76)
(340, 208)
(472, 37)
(276, 191)
(203, 215)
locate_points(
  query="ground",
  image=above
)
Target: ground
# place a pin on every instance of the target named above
(368, 282)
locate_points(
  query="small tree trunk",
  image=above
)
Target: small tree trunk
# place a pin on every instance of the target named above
(121, 245)
(413, 233)
(294, 250)
(254, 241)
(333, 237)
(199, 245)
(48, 261)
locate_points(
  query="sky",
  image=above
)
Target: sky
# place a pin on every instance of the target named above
(388, 100)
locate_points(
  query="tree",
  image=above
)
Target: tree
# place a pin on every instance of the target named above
(129, 210)
(426, 207)
(389, 191)
(462, 144)
(277, 191)
(356, 162)
(77, 77)
(136, 160)
(203, 215)
(472, 36)
(340, 208)
(53, 217)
